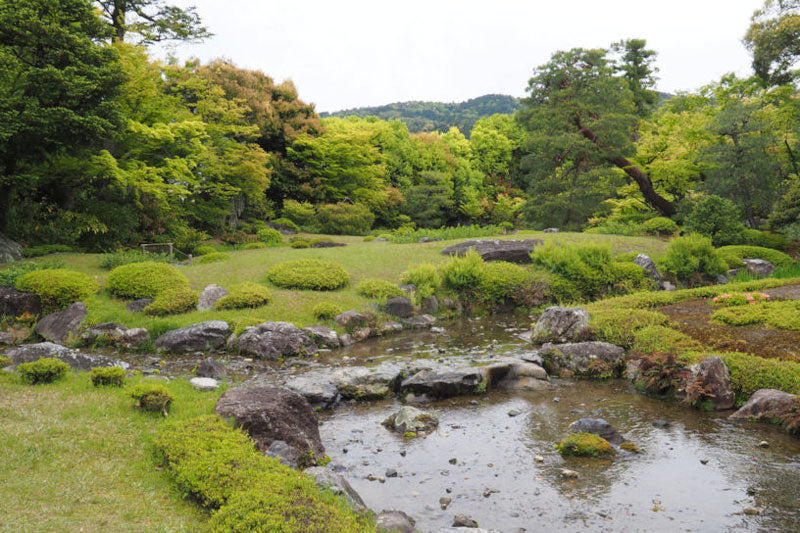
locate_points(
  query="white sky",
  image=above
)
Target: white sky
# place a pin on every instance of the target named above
(354, 53)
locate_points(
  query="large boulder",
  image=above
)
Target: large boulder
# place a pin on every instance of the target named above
(560, 324)
(195, 338)
(352, 320)
(327, 479)
(514, 374)
(16, 303)
(272, 413)
(316, 387)
(587, 359)
(134, 337)
(400, 306)
(598, 426)
(410, 419)
(758, 267)
(444, 383)
(58, 326)
(768, 405)
(210, 296)
(496, 250)
(9, 250)
(649, 265)
(273, 340)
(366, 383)
(711, 378)
(110, 332)
(211, 368)
(76, 360)
(324, 337)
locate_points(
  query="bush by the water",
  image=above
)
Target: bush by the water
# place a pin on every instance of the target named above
(45, 370)
(59, 287)
(112, 376)
(153, 398)
(113, 260)
(733, 255)
(379, 289)
(144, 280)
(173, 300)
(619, 326)
(309, 274)
(584, 445)
(212, 258)
(326, 311)
(270, 236)
(691, 257)
(425, 277)
(245, 295)
(344, 219)
(659, 226)
(220, 467)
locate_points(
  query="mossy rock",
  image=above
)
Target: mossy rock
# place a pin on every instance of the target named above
(584, 445)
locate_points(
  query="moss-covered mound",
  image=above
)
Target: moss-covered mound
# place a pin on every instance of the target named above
(308, 274)
(245, 295)
(144, 280)
(733, 255)
(173, 300)
(213, 257)
(584, 445)
(58, 287)
(379, 289)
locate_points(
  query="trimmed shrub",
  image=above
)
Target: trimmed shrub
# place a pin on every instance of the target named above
(717, 218)
(301, 213)
(45, 370)
(776, 241)
(300, 243)
(144, 280)
(153, 398)
(326, 311)
(173, 300)
(733, 255)
(204, 250)
(463, 274)
(379, 289)
(584, 445)
(237, 237)
(502, 281)
(58, 288)
(310, 274)
(369, 238)
(283, 221)
(212, 258)
(625, 257)
(5, 361)
(14, 271)
(245, 295)
(270, 236)
(344, 219)
(659, 226)
(112, 261)
(425, 277)
(102, 376)
(254, 246)
(692, 256)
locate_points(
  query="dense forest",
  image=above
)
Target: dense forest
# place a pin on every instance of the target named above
(102, 147)
(438, 116)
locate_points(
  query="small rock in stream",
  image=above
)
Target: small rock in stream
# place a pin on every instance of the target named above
(538, 459)
(751, 511)
(514, 412)
(704, 461)
(453, 461)
(569, 474)
(660, 423)
(391, 472)
(444, 502)
(461, 520)
(763, 444)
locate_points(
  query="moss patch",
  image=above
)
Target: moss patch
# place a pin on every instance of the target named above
(584, 445)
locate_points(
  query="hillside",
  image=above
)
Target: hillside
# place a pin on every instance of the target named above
(438, 116)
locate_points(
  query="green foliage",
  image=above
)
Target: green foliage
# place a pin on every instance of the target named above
(659, 226)
(14, 271)
(619, 325)
(717, 218)
(245, 295)
(287, 222)
(173, 300)
(212, 258)
(58, 288)
(144, 280)
(204, 250)
(254, 246)
(660, 338)
(102, 376)
(781, 315)
(661, 373)
(299, 213)
(408, 235)
(300, 244)
(220, 467)
(151, 21)
(502, 282)
(153, 398)
(379, 289)
(584, 445)
(45, 249)
(425, 277)
(750, 373)
(5, 361)
(764, 239)
(691, 256)
(344, 219)
(733, 255)
(463, 274)
(113, 260)
(309, 274)
(45, 370)
(615, 227)
(326, 311)
(270, 236)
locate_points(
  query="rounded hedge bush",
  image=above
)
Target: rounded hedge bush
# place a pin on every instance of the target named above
(379, 289)
(173, 300)
(311, 274)
(153, 398)
(58, 287)
(204, 250)
(245, 295)
(102, 376)
(45, 370)
(326, 311)
(144, 280)
(692, 255)
(212, 258)
(254, 246)
(270, 236)
(659, 226)
(283, 221)
(300, 244)
(733, 255)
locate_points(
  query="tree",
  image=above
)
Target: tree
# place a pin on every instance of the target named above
(581, 116)
(152, 21)
(774, 40)
(635, 63)
(58, 84)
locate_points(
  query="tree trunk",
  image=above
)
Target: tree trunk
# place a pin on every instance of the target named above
(664, 206)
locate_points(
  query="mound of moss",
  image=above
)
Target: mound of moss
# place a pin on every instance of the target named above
(144, 280)
(173, 300)
(308, 274)
(213, 257)
(58, 288)
(245, 295)
(584, 445)
(379, 289)
(733, 255)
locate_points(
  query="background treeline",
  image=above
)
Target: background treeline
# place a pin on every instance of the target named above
(102, 147)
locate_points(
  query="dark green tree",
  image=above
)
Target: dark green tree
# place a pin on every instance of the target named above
(774, 40)
(152, 21)
(635, 63)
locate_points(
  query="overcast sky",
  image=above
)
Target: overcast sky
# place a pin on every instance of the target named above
(354, 53)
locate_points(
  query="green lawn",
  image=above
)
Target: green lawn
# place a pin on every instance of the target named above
(79, 458)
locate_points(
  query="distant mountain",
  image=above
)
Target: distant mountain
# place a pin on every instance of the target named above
(438, 116)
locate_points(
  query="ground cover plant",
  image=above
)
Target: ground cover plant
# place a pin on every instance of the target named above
(44, 370)
(57, 288)
(144, 280)
(309, 274)
(379, 289)
(245, 295)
